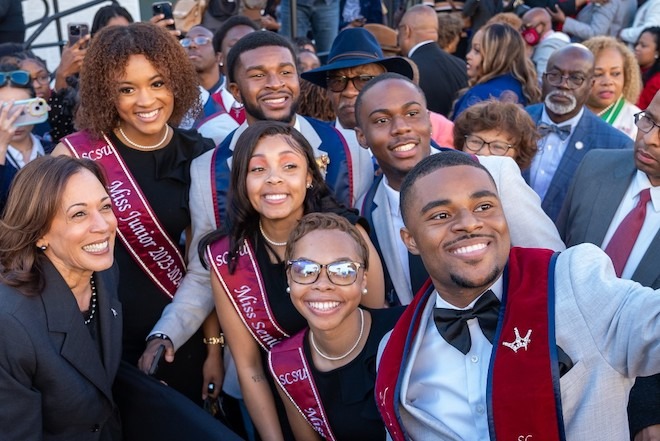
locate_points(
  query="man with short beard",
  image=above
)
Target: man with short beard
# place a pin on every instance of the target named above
(568, 129)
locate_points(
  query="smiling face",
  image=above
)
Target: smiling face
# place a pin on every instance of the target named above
(646, 50)
(456, 224)
(344, 102)
(277, 179)
(647, 145)
(395, 125)
(609, 79)
(324, 304)
(81, 237)
(475, 58)
(145, 102)
(267, 84)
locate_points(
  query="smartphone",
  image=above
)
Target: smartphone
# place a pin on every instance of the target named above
(77, 31)
(164, 8)
(35, 111)
(160, 352)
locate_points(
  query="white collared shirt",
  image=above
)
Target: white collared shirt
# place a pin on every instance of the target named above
(228, 100)
(452, 387)
(15, 157)
(649, 228)
(393, 197)
(551, 150)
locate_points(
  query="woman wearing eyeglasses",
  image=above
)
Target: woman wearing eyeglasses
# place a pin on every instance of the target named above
(274, 182)
(498, 67)
(135, 87)
(329, 368)
(497, 128)
(18, 145)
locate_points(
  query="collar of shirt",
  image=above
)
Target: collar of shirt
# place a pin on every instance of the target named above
(497, 288)
(393, 197)
(639, 183)
(545, 118)
(218, 85)
(37, 150)
(417, 46)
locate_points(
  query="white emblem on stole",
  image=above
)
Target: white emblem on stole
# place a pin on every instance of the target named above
(113, 312)
(519, 342)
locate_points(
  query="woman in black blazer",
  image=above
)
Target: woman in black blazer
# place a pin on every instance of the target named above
(60, 322)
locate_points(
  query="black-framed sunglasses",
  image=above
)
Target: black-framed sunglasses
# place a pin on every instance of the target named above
(19, 77)
(337, 83)
(199, 41)
(644, 122)
(306, 272)
(475, 143)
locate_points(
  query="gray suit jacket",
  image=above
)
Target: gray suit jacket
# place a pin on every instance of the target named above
(590, 133)
(528, 224)
(54, 385)
(598, 326)
(592, 201)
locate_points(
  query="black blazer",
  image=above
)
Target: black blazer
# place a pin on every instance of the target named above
(54, 385)
(441, 76)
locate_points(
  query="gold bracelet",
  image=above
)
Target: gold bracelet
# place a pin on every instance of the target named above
(215, 340)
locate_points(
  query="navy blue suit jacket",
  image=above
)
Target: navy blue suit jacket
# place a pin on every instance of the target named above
(592, 133)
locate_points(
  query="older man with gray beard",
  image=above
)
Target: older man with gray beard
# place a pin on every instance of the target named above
(568, 129)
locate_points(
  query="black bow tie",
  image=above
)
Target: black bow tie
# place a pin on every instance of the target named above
(452, 323)
(562, 131)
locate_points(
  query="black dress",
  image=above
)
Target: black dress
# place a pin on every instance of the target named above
(164, 177)
(347, 393)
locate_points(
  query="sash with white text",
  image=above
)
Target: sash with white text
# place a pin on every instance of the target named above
(137, 225)
(245, 288)
(290, 369)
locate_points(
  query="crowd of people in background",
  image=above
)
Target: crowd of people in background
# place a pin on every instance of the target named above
(408, 220)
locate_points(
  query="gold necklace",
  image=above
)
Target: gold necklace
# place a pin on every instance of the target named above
(357, 342)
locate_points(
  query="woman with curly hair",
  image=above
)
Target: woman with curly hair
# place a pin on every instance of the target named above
(497, 67)
(497, 128)
(617, 83)
(647, 53)
(136, 85)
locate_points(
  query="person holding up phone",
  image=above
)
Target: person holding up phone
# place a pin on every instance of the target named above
(18, 145)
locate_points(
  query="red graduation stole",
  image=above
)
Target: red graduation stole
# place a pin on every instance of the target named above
(523, 382)
(245, 288)
(291, 371)
(237, 113)
(137, 225)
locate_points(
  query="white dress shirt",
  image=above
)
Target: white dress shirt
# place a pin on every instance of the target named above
(452, 388)
(15, 156)
(551, 150)
(393, 197)
(649, 228)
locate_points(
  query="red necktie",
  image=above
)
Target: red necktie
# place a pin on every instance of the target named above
(626, 234)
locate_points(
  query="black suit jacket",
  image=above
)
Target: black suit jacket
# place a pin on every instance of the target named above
(600, 183)
(54, 384)
(441, 76)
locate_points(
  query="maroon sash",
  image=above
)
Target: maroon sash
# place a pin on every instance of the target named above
(138, 227)
(246, 292)
(290, 369)
(523, 382)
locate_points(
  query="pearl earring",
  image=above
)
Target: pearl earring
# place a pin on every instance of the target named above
(310, 186)
(43, 247)
(288, 290)
(364, 292)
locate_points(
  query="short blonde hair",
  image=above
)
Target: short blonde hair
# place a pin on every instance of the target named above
(632, 77)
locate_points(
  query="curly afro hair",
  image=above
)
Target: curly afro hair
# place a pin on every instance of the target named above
(105, 63)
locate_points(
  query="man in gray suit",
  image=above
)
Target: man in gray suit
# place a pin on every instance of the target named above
(507, 343)
(606, 187)
(394, 123)
(569, 130)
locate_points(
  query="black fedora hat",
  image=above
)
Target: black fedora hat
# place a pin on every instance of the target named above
(356, 47)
